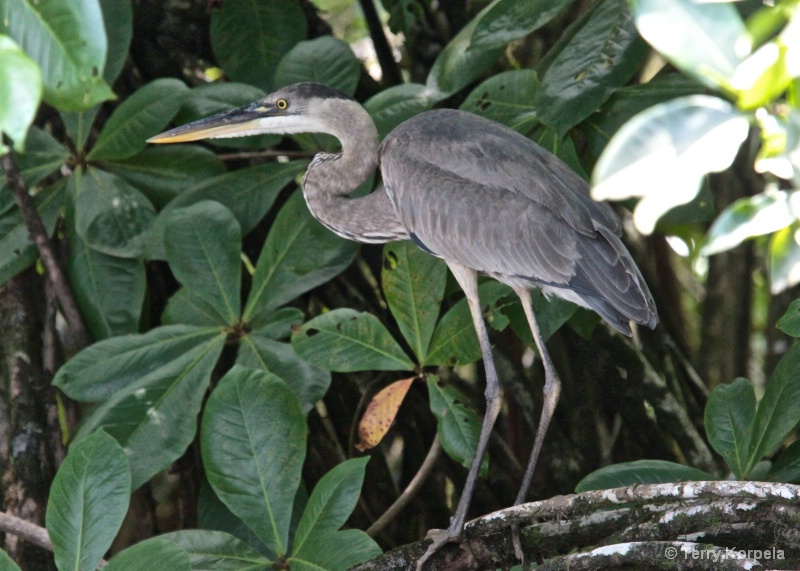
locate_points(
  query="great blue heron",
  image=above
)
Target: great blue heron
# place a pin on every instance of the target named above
(477, 194)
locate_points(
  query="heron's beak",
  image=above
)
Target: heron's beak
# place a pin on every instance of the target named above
(239, 122)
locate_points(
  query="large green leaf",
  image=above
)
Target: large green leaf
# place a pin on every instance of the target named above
(509, 20)
(458, 65)
(325, 60)
(249, 45)
(336, 551)
(663, 153)
(603, 54)
(507, 98)
(20, 93)
(163, 172)
(640, 472)
(253, 445)
(154, 417)
(392, 106)
(298, 255)
(88, 501)
(789, 323)
(707, 40)
(216, 551)
(213, 515)
(784, 258)
(778, 410)
(345, 340)
(111, 216)
(331, 503)
(153, 553)
(413, 283)
(751, 216)
(17, 250)
(459, 426)
(308, 383)
(188, 308)
(146, 112)
(203, 243)
(454, 340)
(248, 193)
(729, 421)
(67, 39)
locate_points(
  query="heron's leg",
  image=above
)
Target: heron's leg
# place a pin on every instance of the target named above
(468, 280)
(552, 390)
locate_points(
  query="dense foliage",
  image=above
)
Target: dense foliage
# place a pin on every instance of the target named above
(223, 341)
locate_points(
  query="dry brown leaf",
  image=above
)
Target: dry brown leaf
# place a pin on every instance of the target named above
(380, 414)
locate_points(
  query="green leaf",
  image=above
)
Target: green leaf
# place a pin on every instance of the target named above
(751, 216)
(392, 106)
(413, 283)
(550, 314)
(640, 472)
(333, 500)
(706, 40)
(6, 564)
(789, 323)
(153, 553)
(509, 20)
(278, 325)
(154, 417)
(249, 45)
(111, 216)
(88, 501)
(253, 444)
(346, 340)
(458, 65)
(164, 172)
(213, 515)
(308, 383)
(248, 193)
(43, 155)
(187, 308)
(298, 255)
(454, 340)
(216, 551)
(602, 54)
(663, 153)
(68, 41)
(203, 243)
(729, 421)
(507, 98)
(337, 551)
(325, 60)
(784, 259)
(787, 467)
(20, 93)
(17, 250)
(459, 426)
(146, 112)
(105, 368)
(778, 410)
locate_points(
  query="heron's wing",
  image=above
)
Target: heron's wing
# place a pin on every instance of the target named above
(485, 201)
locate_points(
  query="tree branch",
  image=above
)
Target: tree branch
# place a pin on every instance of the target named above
(39, 235)
(26, 530)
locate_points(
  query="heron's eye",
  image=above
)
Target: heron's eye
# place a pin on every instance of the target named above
(281, 104)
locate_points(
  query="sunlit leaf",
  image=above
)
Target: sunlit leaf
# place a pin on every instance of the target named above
(663, 153)
(784, 258)
(20, 93)
(254, 443)
(729, 422)
(325, 60)
(345, 340)
(380, 414)
(751, 216)
(640, 472)
(761, 77)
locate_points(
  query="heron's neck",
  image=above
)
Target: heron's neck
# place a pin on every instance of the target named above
(331, 177)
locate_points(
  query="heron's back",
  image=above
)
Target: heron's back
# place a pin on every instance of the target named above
(475, 192)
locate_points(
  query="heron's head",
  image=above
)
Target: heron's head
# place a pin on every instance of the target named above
(298, 108)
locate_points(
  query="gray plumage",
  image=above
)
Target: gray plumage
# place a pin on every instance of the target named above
(473, 192)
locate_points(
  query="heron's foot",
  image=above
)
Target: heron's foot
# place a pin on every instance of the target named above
(440, 537)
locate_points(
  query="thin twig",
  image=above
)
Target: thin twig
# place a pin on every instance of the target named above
(411, 490)
(25, 530)
(39, 235)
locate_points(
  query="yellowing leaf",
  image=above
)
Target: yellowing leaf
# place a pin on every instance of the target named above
(380, 414)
